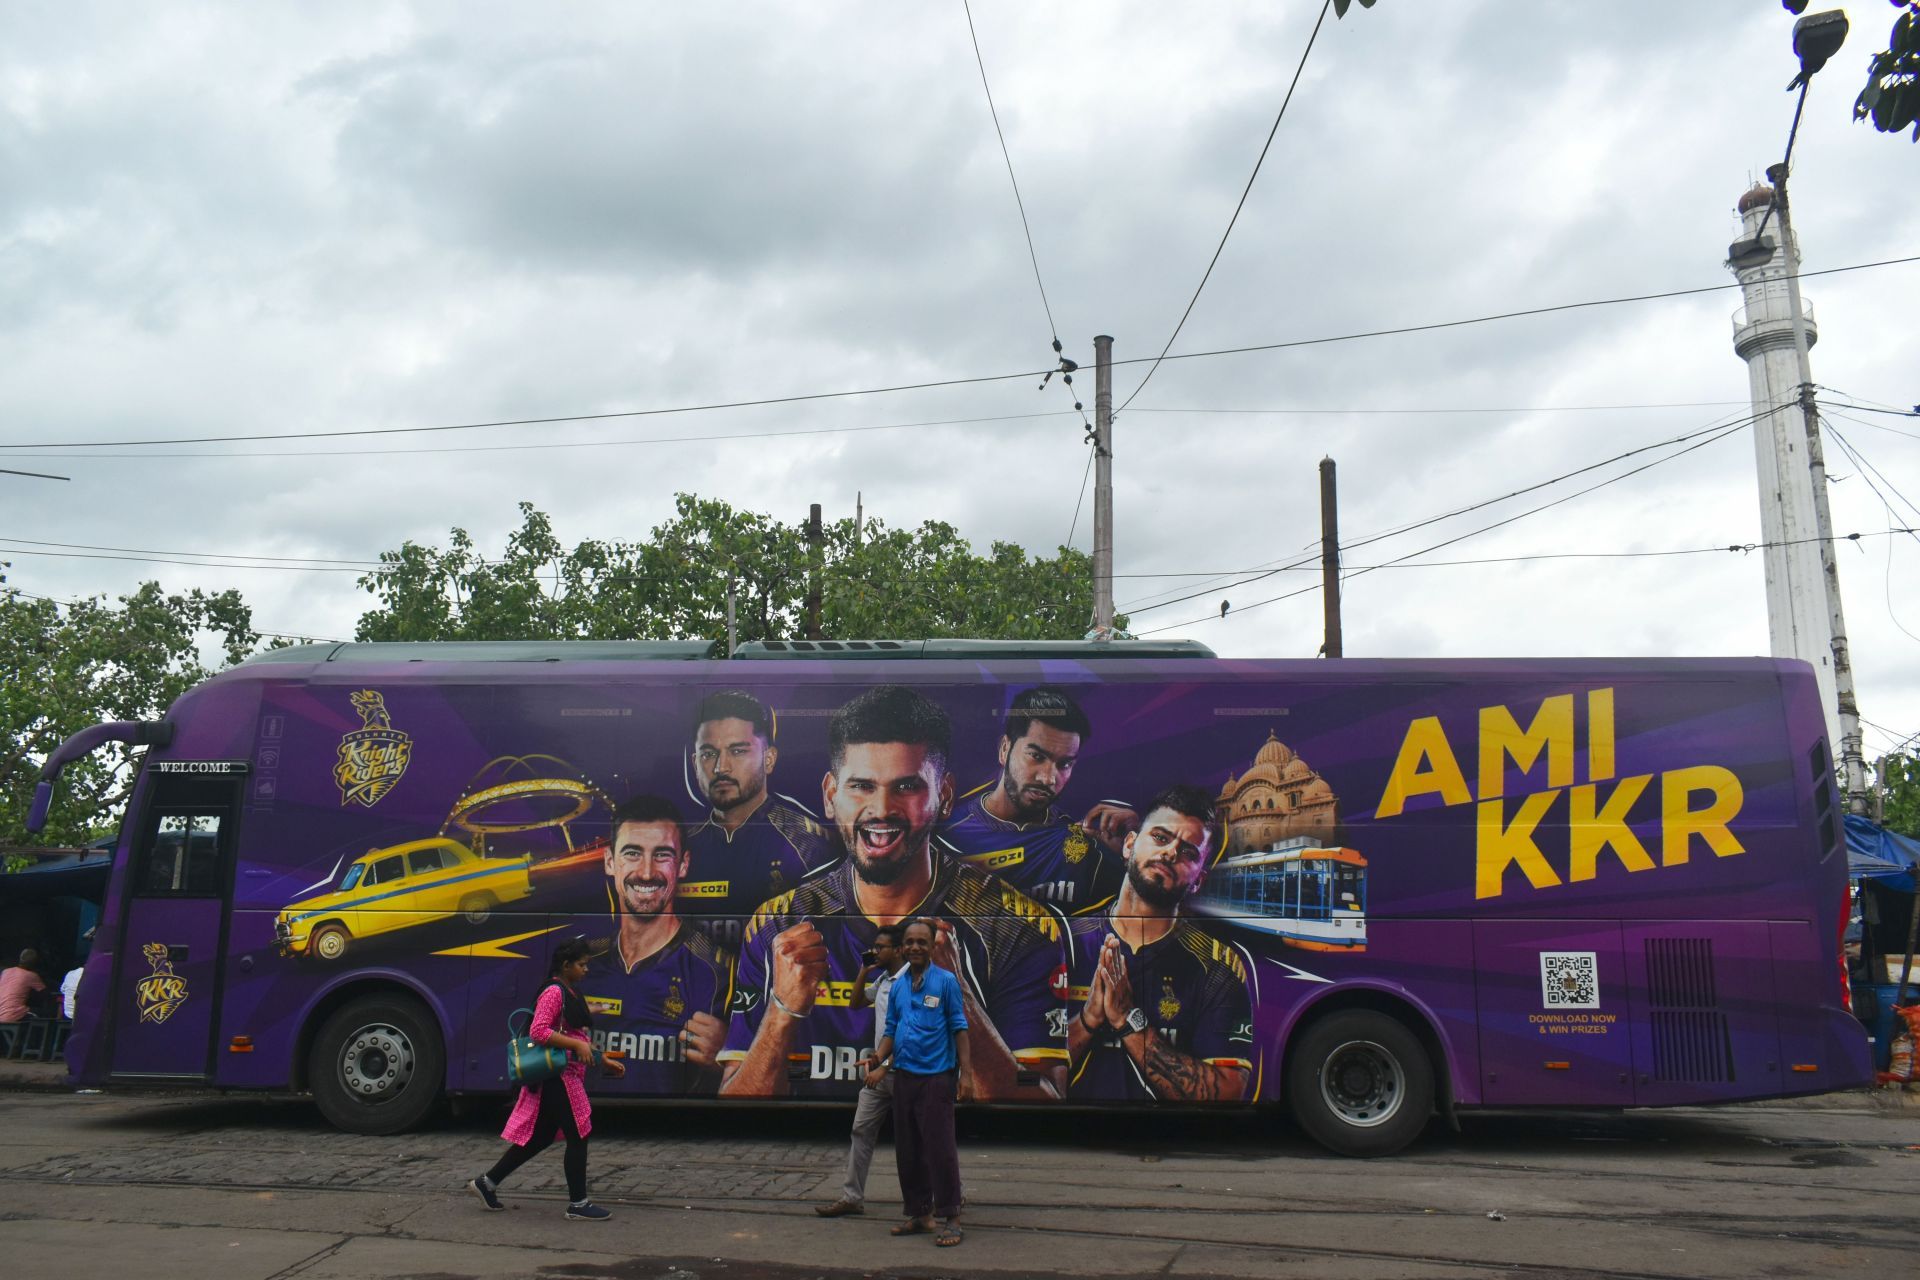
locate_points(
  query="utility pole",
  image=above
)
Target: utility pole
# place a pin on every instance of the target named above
(859, 518)
(1330, 556)
(1852, 755)
(814, 540)
(732, 635)
(1103, 487)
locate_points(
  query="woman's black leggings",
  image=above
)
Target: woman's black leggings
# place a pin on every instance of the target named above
(556, 1112)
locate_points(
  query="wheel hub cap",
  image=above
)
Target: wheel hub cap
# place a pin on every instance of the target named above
(1363, 1083)
(377, 1063)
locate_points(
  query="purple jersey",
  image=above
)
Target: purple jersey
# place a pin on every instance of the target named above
(640, 1011)
(729, 874)
(1013, 952)
(1055, 860)
(1191, 986)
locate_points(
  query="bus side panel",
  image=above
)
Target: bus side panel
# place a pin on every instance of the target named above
(1553, 1013)
(1815, 1031)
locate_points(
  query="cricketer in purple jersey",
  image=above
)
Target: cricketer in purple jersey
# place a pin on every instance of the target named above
(1055, 859)
(1010, 957)
(1011, 826)
(886, 789)
(1190, 988)
(754, 844)
(641, 1010)
(1163, 1008)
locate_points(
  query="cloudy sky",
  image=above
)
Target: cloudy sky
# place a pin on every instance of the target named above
(233, 220)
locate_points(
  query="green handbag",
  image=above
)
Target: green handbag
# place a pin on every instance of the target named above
(528, 1064)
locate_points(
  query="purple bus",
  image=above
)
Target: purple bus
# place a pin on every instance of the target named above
(1369, 891)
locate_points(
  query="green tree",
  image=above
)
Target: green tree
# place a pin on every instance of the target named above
(73, 665)
(1891, 98)
(881, 584)
(1900, 793)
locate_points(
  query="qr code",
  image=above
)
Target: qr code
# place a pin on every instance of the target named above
(1569, 980)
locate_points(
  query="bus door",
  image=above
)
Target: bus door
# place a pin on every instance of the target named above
(163, 1016)
(1553, 1005)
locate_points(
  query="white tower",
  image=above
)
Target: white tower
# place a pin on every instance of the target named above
(1797, 605)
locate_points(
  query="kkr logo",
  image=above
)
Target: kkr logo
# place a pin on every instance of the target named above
(158, 994)
(372, 757)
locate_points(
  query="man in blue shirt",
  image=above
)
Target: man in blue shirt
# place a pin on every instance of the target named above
(926, 1043)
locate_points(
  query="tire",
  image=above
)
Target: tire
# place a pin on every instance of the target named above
(476, 907)
(1360, 1083)
(329, 942)
(377, 1065)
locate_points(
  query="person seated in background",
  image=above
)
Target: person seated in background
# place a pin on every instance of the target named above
(17, 985)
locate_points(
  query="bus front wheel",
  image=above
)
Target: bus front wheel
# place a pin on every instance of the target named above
(1360, 1083)
(377, 1064)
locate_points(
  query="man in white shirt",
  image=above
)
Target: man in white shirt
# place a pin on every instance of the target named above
(875, 1102)
(69, 988)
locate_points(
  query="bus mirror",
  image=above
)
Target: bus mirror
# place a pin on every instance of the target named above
(42, 800)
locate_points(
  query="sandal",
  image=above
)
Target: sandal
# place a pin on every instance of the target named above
(912, 1227)
(949, 1235)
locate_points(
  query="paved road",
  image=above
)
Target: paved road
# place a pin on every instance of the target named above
(239, 1189)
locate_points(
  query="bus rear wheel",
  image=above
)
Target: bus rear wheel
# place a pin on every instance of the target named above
(377, 1065)
(1360, 1083)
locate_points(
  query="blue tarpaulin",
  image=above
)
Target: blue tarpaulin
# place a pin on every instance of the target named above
(1876, 854)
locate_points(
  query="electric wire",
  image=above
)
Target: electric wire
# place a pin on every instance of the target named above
(1290, 344)
(1827, 407)
(1145, 604)
(1244, 192)
(1020, 204)
(1239, 609)
(259, 631)
(1081, 500)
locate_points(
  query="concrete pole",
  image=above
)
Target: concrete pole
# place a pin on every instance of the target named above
(1852, 755)
(1330, 557)
(814, 540)
(1103, 487)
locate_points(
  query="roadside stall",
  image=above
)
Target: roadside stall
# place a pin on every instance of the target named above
(1882, 965)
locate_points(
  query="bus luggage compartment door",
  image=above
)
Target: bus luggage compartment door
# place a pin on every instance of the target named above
(1553, 1009)
(1704, 1028)
(163, 1015)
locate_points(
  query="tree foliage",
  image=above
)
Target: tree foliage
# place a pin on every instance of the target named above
(1900, 793)
(69, 666)
(1891, 98)
(875, 583)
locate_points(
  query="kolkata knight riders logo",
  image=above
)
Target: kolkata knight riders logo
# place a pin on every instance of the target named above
(158, 994)
(1077, 845)
(372, 757)
(1169, 1002)
(676, 1003)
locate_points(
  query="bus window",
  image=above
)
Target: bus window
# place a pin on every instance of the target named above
(184, 856)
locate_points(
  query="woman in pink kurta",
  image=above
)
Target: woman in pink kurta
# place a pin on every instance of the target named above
(559, 1106)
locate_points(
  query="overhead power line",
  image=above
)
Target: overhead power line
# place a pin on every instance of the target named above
(1287, 345)
(1242, 203)
(1369, 539)
(1473, 533)
(1053, 329)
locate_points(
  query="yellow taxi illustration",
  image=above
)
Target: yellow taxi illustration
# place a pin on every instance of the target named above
(396, 888)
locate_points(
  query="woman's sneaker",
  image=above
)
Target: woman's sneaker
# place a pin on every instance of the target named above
(484, 1189)
(589, 1211)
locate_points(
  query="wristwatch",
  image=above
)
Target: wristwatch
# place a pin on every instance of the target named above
(1136, 1021)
